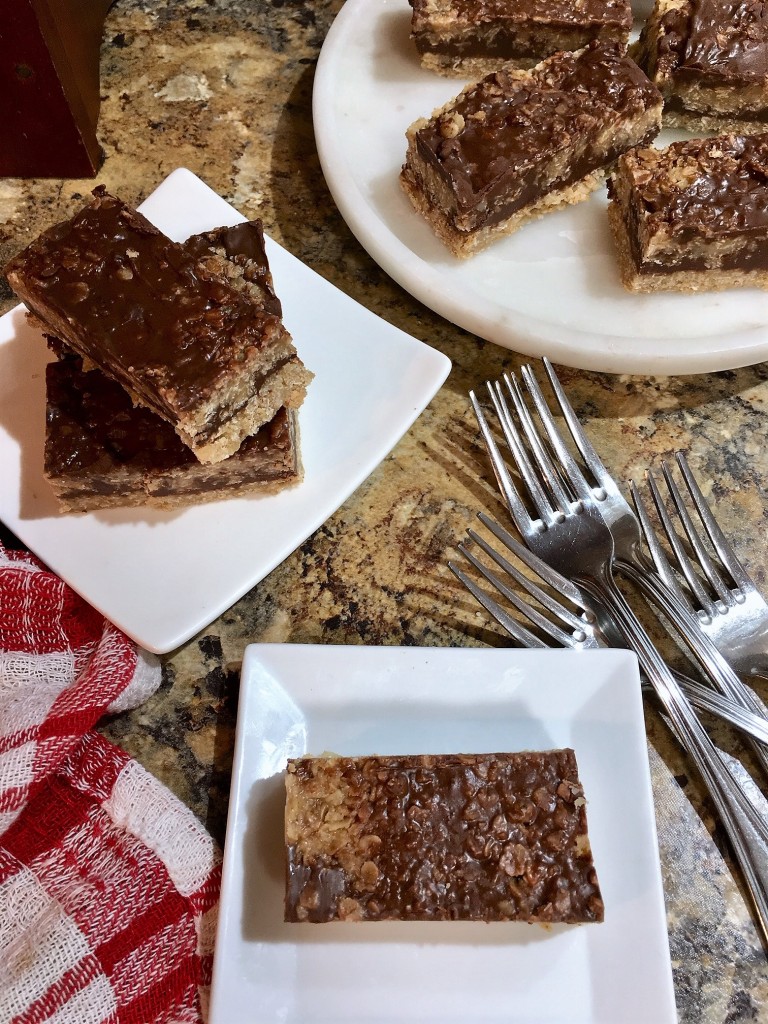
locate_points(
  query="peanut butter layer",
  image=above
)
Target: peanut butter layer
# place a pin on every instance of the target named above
(487, 837)
(521, 142)
(709, 58)
(693, 216)
(172, 329)
(101, 451)
(464, 37)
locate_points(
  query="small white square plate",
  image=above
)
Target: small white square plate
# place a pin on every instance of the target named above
(163, 576)
(363, 700)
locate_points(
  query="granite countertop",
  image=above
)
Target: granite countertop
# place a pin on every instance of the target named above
(224, 88)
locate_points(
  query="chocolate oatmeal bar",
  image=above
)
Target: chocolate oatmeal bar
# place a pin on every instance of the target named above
(519, 144)
(242, 247)
(471, 38)
(473, 837)
(693, 216)
(101, 451)
(709, 58)
(177, 332)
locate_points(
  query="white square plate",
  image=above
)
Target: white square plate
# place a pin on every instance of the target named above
(163, 576)
(364, 700)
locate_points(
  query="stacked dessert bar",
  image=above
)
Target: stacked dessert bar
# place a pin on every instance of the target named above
(177, 381)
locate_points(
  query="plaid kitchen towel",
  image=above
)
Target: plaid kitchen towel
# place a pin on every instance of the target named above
(108, 884)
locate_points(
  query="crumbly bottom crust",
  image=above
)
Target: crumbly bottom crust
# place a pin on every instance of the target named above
(76, 503)
(465, 244)
(712, 124)
(690, 281)
(474, 67)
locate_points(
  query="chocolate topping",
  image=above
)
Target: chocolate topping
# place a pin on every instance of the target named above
(243, 245)
(714, 41)
(504, 128)
(713, 188)
(140, 304)
(472, 837)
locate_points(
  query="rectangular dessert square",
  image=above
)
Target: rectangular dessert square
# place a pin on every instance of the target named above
(101, 451)
(693, 216)
(473, 837)
(519, 144)
(709, 58)
(172, 329)
(472, 38)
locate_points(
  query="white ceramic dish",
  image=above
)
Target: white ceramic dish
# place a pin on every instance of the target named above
(357, 700)
(550, 289)
(163, 576)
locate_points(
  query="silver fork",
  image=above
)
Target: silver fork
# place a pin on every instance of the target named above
(578, 630)
(573, 539)
(731, 610)
(629, 551)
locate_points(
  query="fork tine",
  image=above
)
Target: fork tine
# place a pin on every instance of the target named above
(591, 459)
(702, 598)
(510, 493)
(708, 567)
(660, 560)
(550, 576)
(574, 630)
(513, 627)
(541, 455)
(546, 600)
(562, 638)
(519, 454)
(719, 541)
(567, 461)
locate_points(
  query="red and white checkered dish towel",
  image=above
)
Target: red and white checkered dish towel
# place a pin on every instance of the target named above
(108, 884)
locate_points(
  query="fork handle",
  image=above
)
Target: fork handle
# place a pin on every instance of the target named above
(748, 846)
(709, 657)
(747, 830)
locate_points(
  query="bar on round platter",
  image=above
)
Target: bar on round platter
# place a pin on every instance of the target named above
(693, 216)
(709, 58)
(471, 38)
(519, 144)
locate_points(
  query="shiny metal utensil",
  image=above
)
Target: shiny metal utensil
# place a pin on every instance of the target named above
(573, 538)
(729, 607)
(569, 622)
(630, 553)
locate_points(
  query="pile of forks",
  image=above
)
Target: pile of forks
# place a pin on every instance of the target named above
(577, 533)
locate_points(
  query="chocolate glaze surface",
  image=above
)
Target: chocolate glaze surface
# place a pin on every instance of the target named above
(716, 41)
(712, 188)
(243, 245)
(463, 837)
(139, 304)
(499, 134)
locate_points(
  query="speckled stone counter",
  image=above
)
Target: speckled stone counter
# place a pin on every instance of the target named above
(224, 87)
